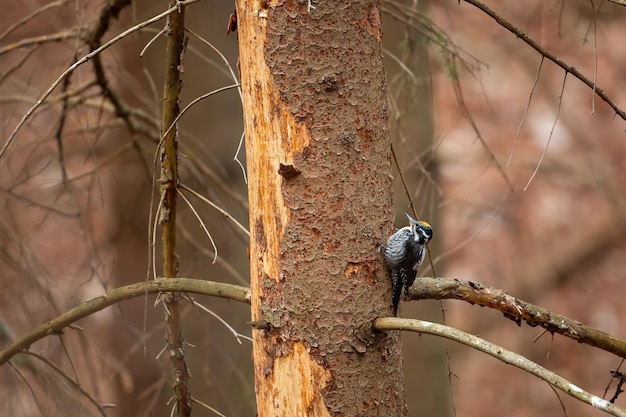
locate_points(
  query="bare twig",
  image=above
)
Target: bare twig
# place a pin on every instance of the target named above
(606, 390)
(229, 269)
(193, 210)
(521, 123)
(235, 79)
(545, 150)
(245, 233)
(194, 101)
(595, 56)
(72, 381)
(621, 379)
(94, 40)
(80, 62)
(208, 407)
(38, 40)
(468, 116)
(224, 322)
(31, 16)
(552, 57)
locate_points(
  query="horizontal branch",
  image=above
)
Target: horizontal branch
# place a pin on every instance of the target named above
(516, 310)
(55, 326)
(506, 356)
(424, 288)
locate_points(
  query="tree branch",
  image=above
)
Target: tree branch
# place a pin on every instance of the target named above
(56, 326)
(74, 382)
(424, 288)
(172, 83)
(516, 310)
(506, 356)
(545, 53)
(94, 41)
(80, 62)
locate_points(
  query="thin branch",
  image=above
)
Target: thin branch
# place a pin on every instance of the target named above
(426, 27)
(558, 397)
(59, 133)
(194, 101)
(208, 407)
(236, 80)
(217, 51)
(19, 64)
(80, 62)
(621, 379)
(468, 116)
(401, 64)
(224, 322)
(498, 352)
(30, 17)
(521, 123)
(34, 203)
(236, 157)
(149, 43)
(545, 150)
(516, 310)
(93, 41)
(199, 218)
(544, 52)
(606, 390)
(476, 232)
(229, 269)
(73, 382)
(404, 183)
(244, 231)
(30, 388)
(41, 39)
(595, 55)
(55, 326)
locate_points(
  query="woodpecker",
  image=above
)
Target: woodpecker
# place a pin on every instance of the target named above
(404, 253)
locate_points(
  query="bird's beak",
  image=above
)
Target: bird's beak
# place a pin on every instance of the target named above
(411, 219)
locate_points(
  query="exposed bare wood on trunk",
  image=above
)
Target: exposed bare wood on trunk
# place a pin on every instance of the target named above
(318, 155)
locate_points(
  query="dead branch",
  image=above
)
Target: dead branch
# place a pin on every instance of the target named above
(516, 310)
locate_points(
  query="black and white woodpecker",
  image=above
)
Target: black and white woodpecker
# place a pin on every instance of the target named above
(404, 253)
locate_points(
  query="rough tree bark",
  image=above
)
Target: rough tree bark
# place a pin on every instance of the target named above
(318, 155)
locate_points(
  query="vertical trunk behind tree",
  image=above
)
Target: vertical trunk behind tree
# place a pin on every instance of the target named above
(318, 154)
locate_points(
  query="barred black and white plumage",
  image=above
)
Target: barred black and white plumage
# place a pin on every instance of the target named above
(404, 253)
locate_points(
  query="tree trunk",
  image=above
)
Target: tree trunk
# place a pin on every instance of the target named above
(318, 155)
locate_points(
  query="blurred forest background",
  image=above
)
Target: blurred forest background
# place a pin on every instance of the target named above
(546, 221)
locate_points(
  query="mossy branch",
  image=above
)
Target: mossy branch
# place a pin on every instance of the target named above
(56, 326)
